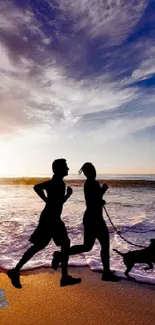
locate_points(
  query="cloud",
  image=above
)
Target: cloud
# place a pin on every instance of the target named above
(112, 19)
(70, 74)
(32, 93)
(51, 97)
(20, 30)
(105, 132)
(36, 85)
(144, 68)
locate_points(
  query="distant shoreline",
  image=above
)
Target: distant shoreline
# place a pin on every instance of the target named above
(79, 182)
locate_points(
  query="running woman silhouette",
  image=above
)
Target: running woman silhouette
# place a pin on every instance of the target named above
(94, 224)
(50, 224)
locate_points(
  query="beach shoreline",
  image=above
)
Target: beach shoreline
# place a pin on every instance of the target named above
(75, 268)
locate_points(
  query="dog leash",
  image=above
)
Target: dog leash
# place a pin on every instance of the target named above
(118, 233)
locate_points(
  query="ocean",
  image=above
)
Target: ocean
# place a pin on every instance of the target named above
(130, 204)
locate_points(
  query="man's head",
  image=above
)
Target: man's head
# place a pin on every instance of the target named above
(60, 168)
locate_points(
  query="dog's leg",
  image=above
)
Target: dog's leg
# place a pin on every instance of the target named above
(129, 268)
(149, 267)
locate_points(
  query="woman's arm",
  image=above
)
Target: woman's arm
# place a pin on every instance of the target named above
(104, 188)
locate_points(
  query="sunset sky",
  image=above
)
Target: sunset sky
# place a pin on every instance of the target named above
(77, 81)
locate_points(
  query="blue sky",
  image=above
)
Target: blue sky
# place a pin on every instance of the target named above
(77, 80)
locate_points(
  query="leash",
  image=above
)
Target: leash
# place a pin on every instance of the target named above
(118, 233)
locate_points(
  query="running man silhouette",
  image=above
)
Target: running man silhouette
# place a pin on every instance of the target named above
(50, 224)
(94, 224)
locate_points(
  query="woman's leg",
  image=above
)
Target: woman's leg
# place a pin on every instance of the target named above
(103, 238)
(89, 240)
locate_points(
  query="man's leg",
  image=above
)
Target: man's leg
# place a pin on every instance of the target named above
(65, 257)
(14, 274)
(66, 278)
(61, 238)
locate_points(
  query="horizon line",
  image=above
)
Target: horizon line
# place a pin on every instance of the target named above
(48, 176)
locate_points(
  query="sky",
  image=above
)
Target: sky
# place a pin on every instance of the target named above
(77, 81)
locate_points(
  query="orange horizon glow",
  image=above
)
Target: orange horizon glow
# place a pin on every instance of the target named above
(73, 173)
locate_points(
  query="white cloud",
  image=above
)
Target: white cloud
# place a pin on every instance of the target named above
(145, 49)
(34, 94)
(14, 22)
(78, 98)
(113, 131)
(114, 19)
(56, 112)
(50, 96)
(11, 18)
(147, 66)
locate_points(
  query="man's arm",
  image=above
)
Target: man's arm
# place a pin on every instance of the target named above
(39, 189)
(69, 193)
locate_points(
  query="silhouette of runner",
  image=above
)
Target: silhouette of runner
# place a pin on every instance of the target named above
(50, 224)
(94, 224)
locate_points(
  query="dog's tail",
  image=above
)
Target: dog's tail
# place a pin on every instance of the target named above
(122, 254)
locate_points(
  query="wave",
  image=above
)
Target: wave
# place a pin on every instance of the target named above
(124, 205)
(79, 182)
(140, 227)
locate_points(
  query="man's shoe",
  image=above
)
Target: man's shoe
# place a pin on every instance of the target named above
(15, 278)
(110, 276)
(68, 281)
(56, 260)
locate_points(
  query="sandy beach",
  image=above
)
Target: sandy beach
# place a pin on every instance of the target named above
(42, 301)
